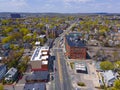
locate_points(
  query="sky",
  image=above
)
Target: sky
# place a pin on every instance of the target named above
(60, 6)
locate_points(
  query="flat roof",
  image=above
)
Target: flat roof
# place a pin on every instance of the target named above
(37, 55)
(37, 43)
(38, 75)
(73, 40)
(44, 62)
(80, 66)
(44, 52)
(35, 86)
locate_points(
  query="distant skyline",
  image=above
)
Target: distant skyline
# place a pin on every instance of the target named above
(60, 6)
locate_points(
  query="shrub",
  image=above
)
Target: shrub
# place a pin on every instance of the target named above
(81, 84)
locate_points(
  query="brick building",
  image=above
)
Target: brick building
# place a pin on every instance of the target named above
(75, 47)
(39, 59)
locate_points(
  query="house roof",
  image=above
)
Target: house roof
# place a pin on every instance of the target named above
(108, 75)
(2, 66)
(73, 40)
(35, 86)
(80, 66)
(12, 71)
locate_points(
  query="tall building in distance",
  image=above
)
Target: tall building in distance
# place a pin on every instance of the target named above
(75, 47)
(15, 15)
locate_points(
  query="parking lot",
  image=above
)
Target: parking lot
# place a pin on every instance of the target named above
(90, 79)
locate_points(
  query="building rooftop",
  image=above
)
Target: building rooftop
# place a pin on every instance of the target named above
(38, 75)
(2, 66)
(37, 55)
(80, 66)
(37, 43)
(12, 71)
(108, 75)
(35, 86)
(74, 40)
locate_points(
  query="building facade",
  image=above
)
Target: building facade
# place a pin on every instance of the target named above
(75, 47)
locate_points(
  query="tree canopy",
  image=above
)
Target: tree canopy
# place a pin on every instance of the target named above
(106, 65)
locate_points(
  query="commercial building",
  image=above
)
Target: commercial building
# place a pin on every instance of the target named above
(35, 86)
(80, 67)
(39, 59)
(15, 15)
(38, 76)
(75, 46)
(2, 70)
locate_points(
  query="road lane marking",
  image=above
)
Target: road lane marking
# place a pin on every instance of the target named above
(59, 67)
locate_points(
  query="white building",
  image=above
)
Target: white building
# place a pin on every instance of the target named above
(80, 67)
(11, 75)
(109, 77)
(37, 43)
(40, 53)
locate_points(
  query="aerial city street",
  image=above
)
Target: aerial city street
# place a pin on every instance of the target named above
(59, 45)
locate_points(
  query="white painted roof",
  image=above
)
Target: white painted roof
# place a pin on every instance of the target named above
(44, 57)
(37, 55)
(44, 62)
(80, 66)
(37, 43)
(44, 52)
(108, 75)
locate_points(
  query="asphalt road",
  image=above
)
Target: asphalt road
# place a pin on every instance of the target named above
(62, 79)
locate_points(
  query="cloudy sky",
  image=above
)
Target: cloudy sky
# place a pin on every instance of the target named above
(60, 6)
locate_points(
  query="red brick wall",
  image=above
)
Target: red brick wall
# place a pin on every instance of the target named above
(75, 52)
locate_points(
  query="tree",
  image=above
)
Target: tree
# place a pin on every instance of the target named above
(106, 65)
(117, 65)
(1, 87)
(24, 31)
(115, 55)
(117, 84)
(27, 38)
(7, 39)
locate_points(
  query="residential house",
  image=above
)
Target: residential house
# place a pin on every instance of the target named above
(109, 78)
(11, 75)
(3, 70)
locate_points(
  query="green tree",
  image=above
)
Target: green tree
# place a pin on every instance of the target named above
(115, 55)
(1, 87)
(7, 39)
(27, 38)
(117, 65)
(8, 29)
(117, 84)
(106, 65)
(24, 31)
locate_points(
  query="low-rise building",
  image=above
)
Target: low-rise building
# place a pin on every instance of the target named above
(35, 86)
(80, 67)
(3, 70)
(38, 76)
(39, 59)
(11, 75)
(109, 77)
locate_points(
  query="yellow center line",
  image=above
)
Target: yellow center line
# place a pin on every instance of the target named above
(59, 67)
